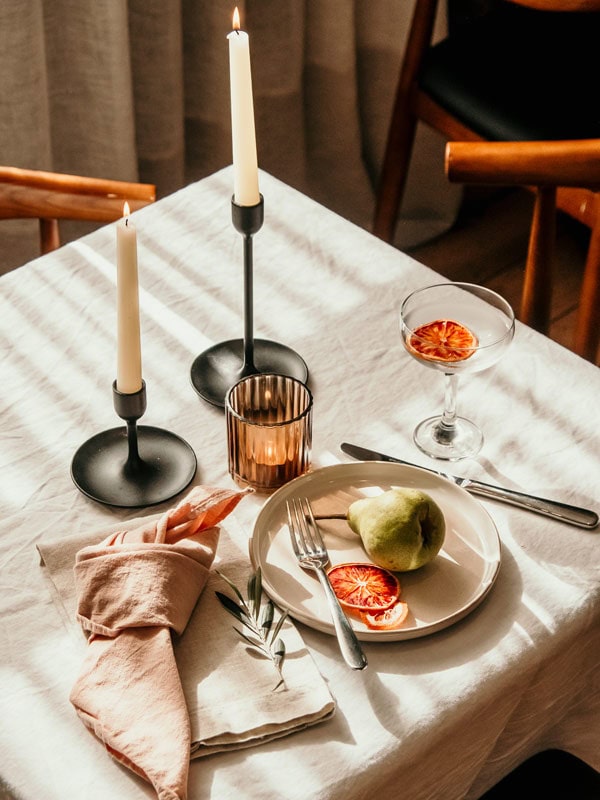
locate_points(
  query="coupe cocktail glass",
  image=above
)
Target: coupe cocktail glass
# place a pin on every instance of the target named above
(454, 328)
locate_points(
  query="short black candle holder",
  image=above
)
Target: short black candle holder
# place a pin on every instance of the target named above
(133, 466)
(216, 370)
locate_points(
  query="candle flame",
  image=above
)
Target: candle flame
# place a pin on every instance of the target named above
(236, 19)
(126, 209)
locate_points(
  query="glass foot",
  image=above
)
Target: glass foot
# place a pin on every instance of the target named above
(462, 440)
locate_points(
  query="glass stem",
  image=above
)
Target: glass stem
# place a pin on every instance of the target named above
(446, 429)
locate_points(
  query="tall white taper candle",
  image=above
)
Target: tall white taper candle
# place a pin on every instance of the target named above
(243, 136)
(129, 356)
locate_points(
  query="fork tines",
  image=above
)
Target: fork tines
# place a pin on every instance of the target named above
(304, 531)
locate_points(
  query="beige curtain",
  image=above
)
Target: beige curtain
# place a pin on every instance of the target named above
(139, 90)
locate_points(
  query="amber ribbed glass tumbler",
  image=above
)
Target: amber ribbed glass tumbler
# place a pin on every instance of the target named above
(269, 430)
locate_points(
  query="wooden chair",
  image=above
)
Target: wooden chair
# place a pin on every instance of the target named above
(52, 196)
(558, 172)
(522, 70)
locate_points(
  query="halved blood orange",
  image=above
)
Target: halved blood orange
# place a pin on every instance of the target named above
(443, 340)
(364, 587)
(387, 620)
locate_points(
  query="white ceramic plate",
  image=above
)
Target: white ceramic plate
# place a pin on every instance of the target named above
(438, 595)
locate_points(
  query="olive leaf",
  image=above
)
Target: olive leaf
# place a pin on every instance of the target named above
(257, 618)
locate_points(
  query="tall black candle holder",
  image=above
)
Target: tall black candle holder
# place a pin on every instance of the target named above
(133, 466)
(215, 370)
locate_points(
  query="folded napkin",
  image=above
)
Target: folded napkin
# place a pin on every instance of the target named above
(156, 699)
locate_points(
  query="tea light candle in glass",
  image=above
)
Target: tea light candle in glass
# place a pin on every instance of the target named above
(269, 430)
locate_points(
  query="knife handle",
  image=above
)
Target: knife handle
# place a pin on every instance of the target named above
(582, 517)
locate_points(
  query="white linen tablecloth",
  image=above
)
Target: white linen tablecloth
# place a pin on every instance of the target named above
(444, 716)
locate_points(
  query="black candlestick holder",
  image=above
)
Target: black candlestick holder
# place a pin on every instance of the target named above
(133, 466)
(216, 370)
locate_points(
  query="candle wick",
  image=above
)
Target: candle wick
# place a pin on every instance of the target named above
(126, 221)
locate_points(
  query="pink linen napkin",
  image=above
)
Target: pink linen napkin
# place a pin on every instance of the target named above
(133, 588)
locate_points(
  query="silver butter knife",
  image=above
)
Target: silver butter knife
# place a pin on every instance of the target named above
(582, 517)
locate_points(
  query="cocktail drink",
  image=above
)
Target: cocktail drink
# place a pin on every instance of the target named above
(454, 328)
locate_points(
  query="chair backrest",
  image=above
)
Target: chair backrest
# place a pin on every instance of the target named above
(51, 196)
(550, 168)
(525, 69)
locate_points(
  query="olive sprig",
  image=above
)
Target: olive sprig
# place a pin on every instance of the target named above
(257, 618)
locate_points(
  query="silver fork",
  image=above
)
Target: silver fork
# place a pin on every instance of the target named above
(311, 553)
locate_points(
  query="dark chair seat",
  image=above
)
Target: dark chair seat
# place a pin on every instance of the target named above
(516, 74)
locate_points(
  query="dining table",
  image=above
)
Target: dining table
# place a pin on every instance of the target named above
(443, 713)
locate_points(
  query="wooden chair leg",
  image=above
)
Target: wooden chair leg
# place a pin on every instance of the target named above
(403, 124)
(587, 331)
(49, 235)
(537, 289)
(393, 179)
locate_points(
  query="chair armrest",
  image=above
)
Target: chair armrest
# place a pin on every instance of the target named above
(20, 202)
(75, 184)
(559, 163)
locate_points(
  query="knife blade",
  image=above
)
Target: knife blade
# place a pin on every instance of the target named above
(573, 515)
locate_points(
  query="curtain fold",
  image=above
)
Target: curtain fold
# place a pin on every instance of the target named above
(334, 140)
(25, 135)
(90, 88)
(139, 90)
(206, 80)
(157, 68)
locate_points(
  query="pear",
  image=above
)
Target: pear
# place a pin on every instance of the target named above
(401, 529)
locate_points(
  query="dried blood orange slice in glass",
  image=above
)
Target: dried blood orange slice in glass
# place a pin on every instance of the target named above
(443, 340)
(387, 620)
(364, 587)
